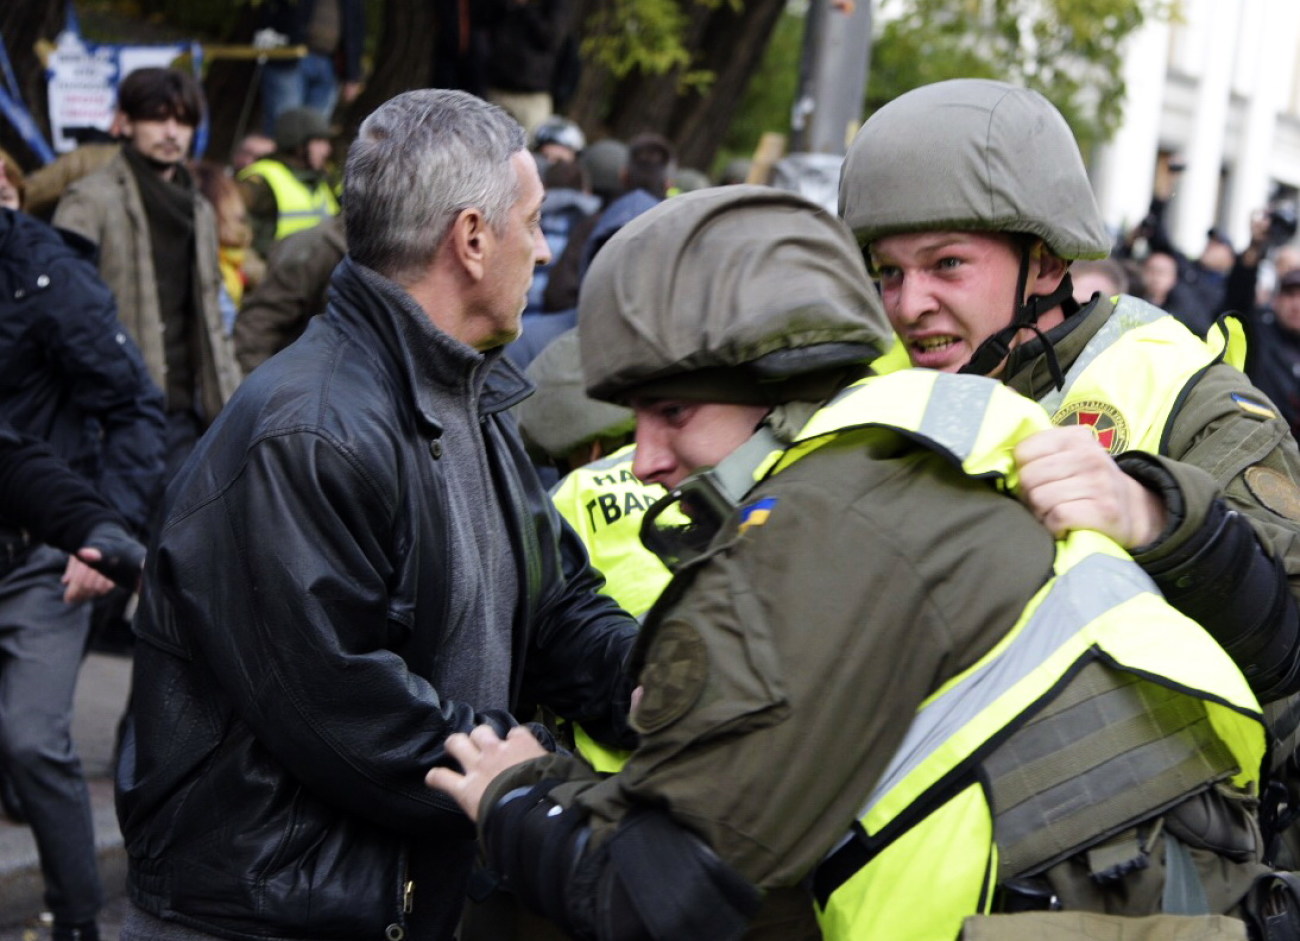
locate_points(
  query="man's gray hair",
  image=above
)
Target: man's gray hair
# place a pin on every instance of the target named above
(418, 161)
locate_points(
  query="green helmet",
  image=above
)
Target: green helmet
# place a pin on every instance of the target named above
(971, 155)
(729, 294)
(295, 127)
(559, 416)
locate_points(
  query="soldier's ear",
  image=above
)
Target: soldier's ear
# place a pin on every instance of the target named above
(1051, 269)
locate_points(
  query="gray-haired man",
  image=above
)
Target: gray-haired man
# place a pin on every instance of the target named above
(358, 561)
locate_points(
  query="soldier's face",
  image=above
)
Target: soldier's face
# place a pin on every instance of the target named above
(163, 140)
(675, 438)
(947, 292)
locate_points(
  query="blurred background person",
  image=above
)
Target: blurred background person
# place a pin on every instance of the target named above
(525, 39)
(241, 267)
(275, 313)
(1105, 276)
(289, 190)
(334, 32)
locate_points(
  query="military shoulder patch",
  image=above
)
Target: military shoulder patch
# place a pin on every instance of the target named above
(1253, 407)
(756, 513)
(1274, 490)
(673, 677)
(1107, 424)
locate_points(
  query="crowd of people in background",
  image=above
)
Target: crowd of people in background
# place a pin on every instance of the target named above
(182, 279)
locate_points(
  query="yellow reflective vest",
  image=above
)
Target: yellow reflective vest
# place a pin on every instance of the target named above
(925, 850)
(1131, 377)
(604, 502)
(297, 206)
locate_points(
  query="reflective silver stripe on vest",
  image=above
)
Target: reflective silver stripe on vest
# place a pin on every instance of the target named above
(320, 212)
(1128, 314)
(1080, 595)
(956, 411)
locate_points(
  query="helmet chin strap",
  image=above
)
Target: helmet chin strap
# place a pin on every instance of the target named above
(990, 354)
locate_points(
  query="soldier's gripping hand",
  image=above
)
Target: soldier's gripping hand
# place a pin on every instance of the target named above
(1069, 481)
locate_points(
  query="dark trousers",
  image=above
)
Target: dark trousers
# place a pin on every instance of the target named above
(41, 644)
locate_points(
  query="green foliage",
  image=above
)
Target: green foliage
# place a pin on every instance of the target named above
(1070, 50)
(637, 35)
(646, 36)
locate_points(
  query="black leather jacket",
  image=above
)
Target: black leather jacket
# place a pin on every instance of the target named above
(271, 778)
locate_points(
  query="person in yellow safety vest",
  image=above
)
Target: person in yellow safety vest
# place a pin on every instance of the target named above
(970, 200)
(590, 443)
(289, 191)
(599, 496)
(876, 683)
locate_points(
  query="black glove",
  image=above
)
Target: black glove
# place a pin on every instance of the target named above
(122, 557)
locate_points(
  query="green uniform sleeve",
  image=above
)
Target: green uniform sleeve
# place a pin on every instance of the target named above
(1224, 442)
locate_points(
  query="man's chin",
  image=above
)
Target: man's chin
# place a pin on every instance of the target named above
(502, 338)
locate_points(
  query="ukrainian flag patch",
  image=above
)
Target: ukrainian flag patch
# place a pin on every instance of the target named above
(756, 513)
(1251, 407)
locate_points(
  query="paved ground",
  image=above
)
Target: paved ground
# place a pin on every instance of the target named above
(101, 697)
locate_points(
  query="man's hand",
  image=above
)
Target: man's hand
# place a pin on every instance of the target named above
(1069, 482)
(483, 755)
(82, 582)
(348, 92)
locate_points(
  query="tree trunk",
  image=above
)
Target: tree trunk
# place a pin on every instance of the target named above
(22, 23)
(232, 92)
(405, 62)
(725, 41)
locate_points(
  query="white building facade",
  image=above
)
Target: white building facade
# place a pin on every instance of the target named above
(1219, 92)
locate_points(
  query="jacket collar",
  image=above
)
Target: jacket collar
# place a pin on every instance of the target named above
(434, 362)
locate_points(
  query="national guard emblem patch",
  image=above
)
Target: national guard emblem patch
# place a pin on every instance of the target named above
(1107, 424)
(1275, 490)
(673, 678)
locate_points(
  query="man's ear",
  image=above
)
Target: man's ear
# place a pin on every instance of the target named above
(468, 240)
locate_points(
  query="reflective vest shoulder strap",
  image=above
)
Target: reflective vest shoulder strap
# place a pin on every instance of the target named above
(973, 420)
(1120, 368)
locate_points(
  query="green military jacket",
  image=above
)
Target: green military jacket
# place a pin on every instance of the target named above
(277, 311)
(873, 564)
(1218, 443)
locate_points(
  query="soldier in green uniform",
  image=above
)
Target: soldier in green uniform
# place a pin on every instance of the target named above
(970, 199)
(879, 698)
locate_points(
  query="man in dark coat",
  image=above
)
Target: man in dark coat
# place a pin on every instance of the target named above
(356, 562)
(69, 376)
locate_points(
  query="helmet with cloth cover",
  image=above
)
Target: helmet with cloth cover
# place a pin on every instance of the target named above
(742, 294)
(975, 155)
(971, 155)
